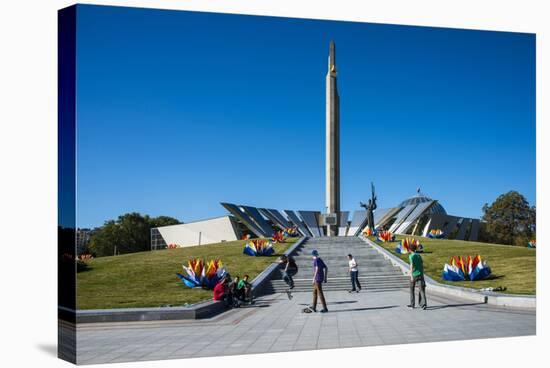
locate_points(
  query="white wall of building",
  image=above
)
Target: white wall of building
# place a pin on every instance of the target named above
(210, 231)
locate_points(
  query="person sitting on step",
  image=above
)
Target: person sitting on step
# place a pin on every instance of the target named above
(244, 290)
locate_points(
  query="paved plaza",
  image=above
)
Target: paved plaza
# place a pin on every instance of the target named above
(277, 324)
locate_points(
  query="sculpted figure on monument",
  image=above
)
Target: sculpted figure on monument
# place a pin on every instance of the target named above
(370, 207)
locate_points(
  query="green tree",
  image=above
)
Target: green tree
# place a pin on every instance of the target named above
(164, 221)
(104, 241)
(130, 233)
(508, 220)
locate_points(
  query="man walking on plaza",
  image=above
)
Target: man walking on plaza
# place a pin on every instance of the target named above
(354, 274)
(319, 276)
(417, 275)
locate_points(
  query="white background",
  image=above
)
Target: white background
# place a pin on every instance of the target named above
(28, 182)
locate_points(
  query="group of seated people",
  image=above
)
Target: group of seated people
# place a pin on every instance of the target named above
(233, 292)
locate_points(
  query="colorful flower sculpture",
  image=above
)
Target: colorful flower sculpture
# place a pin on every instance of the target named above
(532, 244)
(386, 236)
(202, 274)
(259, 247)
(85, 257)
(278, 237)
(291, 232)
(404, 247)
(368, 232)
(436, 234)
(460, 269)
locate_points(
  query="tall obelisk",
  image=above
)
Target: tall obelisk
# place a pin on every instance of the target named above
(332, 144)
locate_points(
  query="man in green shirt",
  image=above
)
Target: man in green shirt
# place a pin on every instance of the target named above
(417, 275)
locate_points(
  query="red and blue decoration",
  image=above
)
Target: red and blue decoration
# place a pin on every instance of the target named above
(202, 274)
(386, 236)
(291, 232)
(369, 232)
(258, 247)
(436, 234)
(404, 247)
(461, 269)
(278, 237)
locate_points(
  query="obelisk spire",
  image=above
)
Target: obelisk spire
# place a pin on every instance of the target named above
(332, 142)
(332, 57)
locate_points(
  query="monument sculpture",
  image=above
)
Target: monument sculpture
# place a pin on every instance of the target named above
(332, 146)
(370, 207)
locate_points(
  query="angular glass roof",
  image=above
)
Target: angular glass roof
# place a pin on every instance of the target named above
(421, 198)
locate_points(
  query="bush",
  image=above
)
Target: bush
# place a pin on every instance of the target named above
(130, 233)
(508, 220)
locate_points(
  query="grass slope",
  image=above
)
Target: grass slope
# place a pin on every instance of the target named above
(148, 279)
(512, 267)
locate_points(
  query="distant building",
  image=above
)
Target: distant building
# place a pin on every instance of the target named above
(215, 230)
(418, 215)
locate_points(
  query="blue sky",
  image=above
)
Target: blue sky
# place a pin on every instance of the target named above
(178, 111)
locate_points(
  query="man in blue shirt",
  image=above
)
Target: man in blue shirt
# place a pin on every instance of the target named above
(319, 276)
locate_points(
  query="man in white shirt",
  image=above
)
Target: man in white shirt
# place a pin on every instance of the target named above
(354, 274)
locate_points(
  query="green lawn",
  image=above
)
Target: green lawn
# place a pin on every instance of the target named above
(512, 267)
(148, 279)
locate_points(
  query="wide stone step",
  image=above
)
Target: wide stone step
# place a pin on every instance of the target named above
(362, 273)
(376, 272)
(362, 282)
(343, 275)
(377, 277)
(362, 260)
(281, 288)
(339, 271)
(340, 256)
(272, 290)
(377, 268)
(332, 277)
(367, 283)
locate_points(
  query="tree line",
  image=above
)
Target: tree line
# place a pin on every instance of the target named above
(129, 233)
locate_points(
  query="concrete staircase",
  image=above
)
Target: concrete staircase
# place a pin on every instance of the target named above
(375, 272)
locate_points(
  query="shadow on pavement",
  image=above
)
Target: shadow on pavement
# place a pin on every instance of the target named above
(333, 303)
(343, 302)
(453, 306)
(363, 309)
(255, 305)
